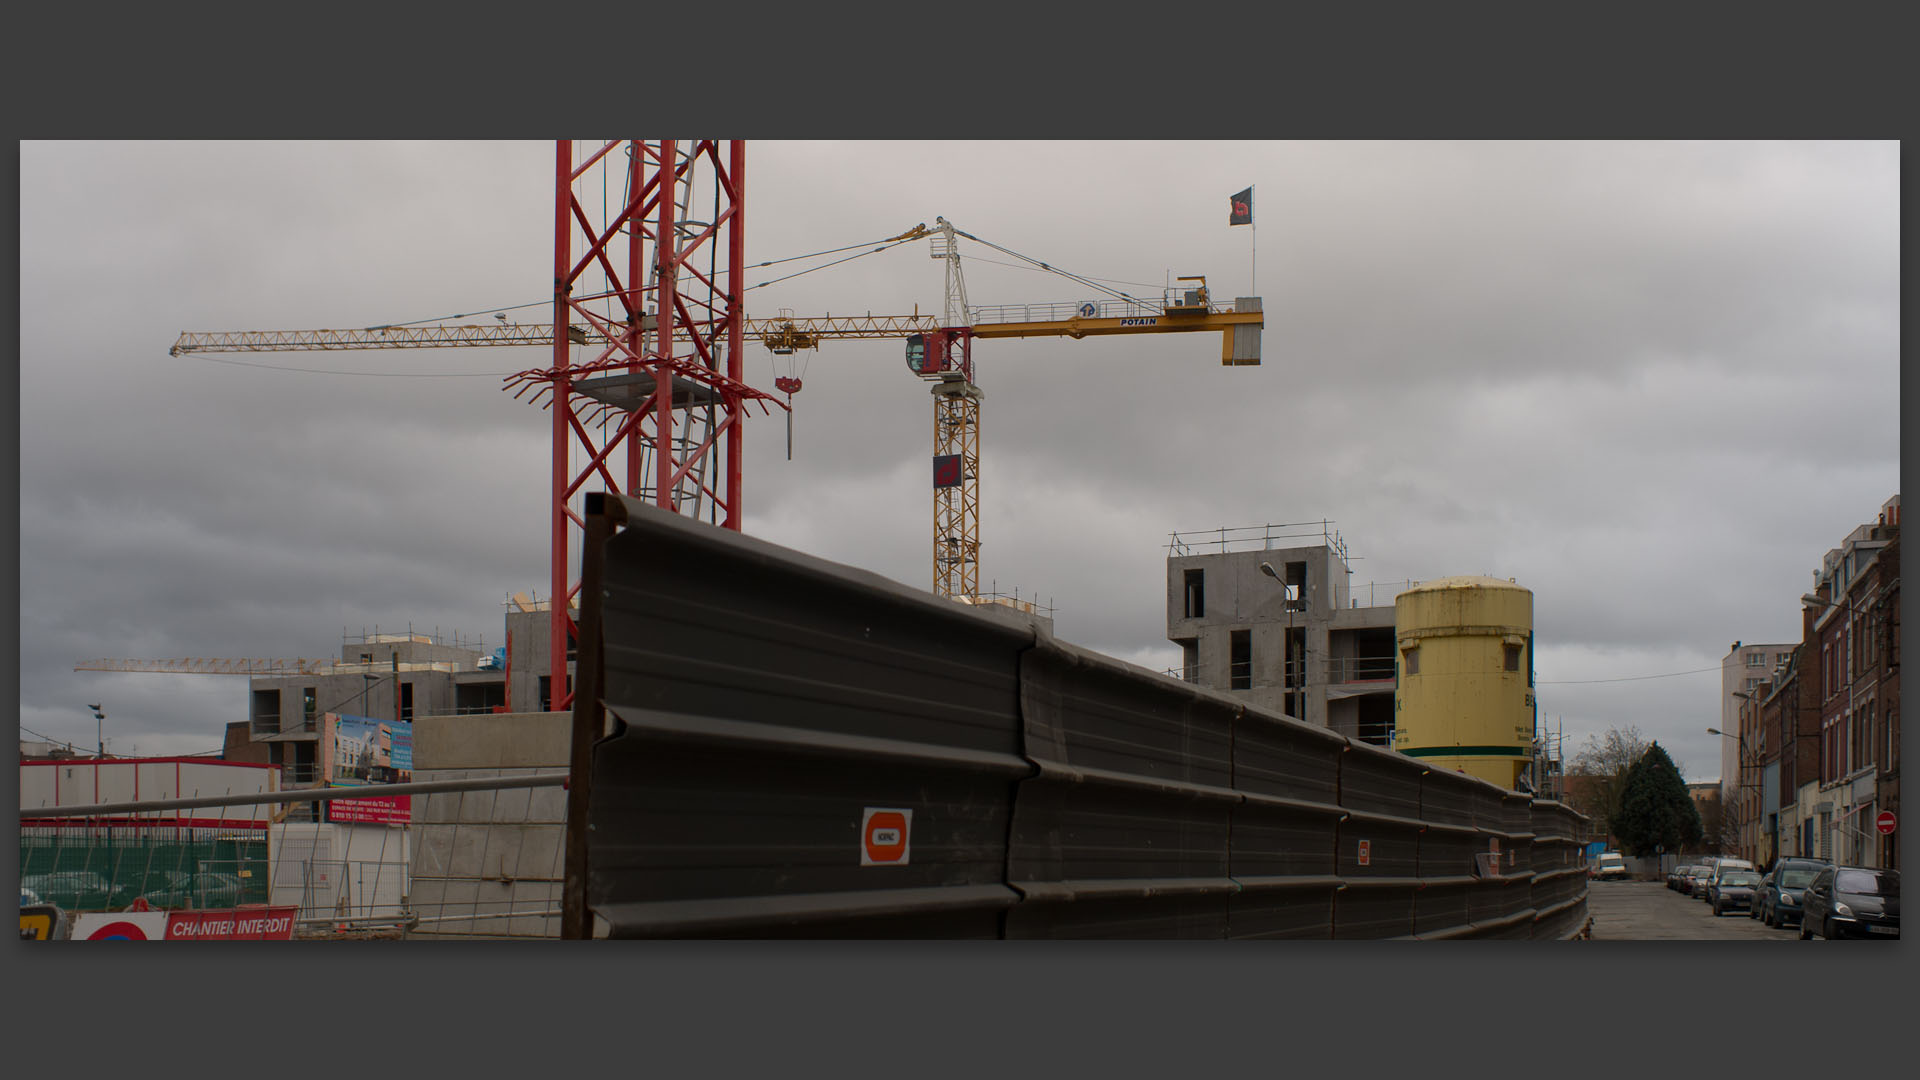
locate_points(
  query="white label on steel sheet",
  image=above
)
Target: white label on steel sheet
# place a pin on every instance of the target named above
(885, 835)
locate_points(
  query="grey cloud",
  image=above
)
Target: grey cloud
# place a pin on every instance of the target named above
(1636, 377)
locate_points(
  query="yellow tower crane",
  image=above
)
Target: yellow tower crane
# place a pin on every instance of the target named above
(939, 349)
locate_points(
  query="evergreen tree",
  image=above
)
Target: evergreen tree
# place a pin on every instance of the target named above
(1655, 810)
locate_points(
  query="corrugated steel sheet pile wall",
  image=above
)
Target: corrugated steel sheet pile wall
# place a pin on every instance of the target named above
(772, 711)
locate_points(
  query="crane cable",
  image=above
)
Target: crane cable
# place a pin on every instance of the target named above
(1045, 269)
(889, 242)
(1091, 283)
(884, 245)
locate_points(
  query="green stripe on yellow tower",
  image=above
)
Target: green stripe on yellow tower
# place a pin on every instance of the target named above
(1465, 692)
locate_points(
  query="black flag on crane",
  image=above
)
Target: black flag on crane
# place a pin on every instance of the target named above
(1242, 212)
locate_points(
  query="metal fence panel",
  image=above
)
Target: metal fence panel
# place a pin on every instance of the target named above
(730, 840)
(768, 706)
(82, 866)
(1123, 831)
(1282, 847)
(1377, 844)
(1560, 875)
(801, 749)
(487, 863)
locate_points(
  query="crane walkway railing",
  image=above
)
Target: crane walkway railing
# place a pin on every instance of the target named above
(1086, 309)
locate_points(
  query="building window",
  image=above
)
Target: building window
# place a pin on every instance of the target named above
(1755, 659)
(1410, 660)
(1240, 667)
(406, 702)
(1196, 581)
(1512, 659)
(1296, 586)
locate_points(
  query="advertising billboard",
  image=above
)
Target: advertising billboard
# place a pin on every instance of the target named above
(360, 751)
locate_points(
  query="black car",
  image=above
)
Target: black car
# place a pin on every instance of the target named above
(1777, 903)
(1851, 901)
(1732, 890)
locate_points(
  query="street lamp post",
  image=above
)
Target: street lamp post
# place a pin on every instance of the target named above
(100, 729)
(1742, 765)
(1286, 642)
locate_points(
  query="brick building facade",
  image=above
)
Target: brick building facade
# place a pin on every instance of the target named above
(1823, 731)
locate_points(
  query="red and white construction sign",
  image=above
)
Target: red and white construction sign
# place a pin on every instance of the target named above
(884, 836)
(230, 924)
(238, 924)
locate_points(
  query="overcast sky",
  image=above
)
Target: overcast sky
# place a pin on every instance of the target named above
(1653, 383)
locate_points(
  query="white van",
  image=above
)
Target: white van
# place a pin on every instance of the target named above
(1612, 866)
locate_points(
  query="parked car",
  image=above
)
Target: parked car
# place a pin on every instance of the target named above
(1730, 890)
(1677, 875)
(1725, 867)
(1612, 867)
(28, 897)
(1768, 880)
(1778, 901)
(79, 890)
(1852, 901)
(1696, 881)
(198, 891)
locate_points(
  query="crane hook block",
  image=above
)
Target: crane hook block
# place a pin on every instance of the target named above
(786, 385)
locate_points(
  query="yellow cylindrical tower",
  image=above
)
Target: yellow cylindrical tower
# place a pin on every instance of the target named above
(1464, 698)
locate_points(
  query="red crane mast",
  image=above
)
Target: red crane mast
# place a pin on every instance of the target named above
(669, 344)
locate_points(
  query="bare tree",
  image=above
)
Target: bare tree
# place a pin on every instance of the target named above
(1721, 831)
(1602, 763)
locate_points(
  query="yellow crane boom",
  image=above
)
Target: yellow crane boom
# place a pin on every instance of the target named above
(1184, 308)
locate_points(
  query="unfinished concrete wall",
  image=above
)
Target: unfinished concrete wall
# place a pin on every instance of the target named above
(529, 645)
(1239, 597)
(481, 856)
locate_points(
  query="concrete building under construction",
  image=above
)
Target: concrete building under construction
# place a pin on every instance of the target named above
(399, 677)
(1270, 612)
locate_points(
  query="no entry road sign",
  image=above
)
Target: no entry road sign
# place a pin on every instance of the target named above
(1885, 822)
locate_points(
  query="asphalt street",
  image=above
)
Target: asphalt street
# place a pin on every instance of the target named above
(1649, 911)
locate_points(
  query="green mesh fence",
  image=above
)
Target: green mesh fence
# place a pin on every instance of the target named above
(107, 868)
